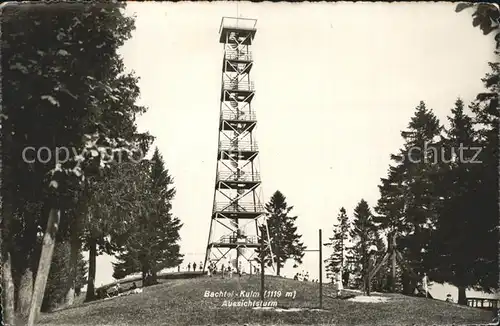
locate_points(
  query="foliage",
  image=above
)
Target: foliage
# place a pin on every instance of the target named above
(151, 243)
(337, 261)
(364, 235)
(285, 241)
(453, 260)
(407, 206)
(485, 15)
(69, 98)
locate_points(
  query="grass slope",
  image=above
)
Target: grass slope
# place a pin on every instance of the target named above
(182, 302)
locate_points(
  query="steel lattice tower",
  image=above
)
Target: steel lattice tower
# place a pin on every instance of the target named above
(237, 213)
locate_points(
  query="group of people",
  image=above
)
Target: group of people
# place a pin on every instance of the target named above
(302, 276)
(116, 290)
(194, 267)
(224, 270)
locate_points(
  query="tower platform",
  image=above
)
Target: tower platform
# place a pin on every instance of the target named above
(242, 26)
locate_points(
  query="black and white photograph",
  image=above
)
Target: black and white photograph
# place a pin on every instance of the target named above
(249, 163)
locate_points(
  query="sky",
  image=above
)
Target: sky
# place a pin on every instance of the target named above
(335, 85)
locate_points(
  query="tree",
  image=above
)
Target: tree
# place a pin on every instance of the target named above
(452, 244)
(152, 241)
(391, 215)
(285, 241)
(362, 234)
(407, 207)
(337, 262)
(486, 119)
(6, 238)
(379, 281)
(486, 16)
(112, 203)
(58, 47)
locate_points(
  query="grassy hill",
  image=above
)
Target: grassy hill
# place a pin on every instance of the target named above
(182, 302)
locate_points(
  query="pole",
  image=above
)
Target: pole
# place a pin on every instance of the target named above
(262, 269)
(320, 271)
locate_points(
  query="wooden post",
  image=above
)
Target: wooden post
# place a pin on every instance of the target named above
(320, 271)
(262, 255)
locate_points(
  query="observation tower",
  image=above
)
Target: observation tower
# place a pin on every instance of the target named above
(238, 214)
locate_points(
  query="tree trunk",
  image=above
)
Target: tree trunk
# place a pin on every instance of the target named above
(393, 272)
(278, 267)
(345, 279)
(42, 274)
(368, 282)
(25, 291)
(73, 262)
(462, 297)
(7, 289)
(143, 274)
(92, 270)
(406, 282)
(7, 284)
(70, 294)
(154, 275)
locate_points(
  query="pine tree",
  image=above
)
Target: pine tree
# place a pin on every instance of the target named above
(451, 258)
(379, 281)
(152, 242)
(362, 234)
(285, 241)
(337, 262)
(407, 206)
(486, 119)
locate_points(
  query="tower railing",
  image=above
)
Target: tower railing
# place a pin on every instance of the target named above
(239, 207)
(234, 176)
(232, 54)
(242, 116)
(234, 239)
(240, 145)
(243, 85)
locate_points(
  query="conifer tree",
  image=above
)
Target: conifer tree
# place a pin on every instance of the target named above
(363, 236)
(152, 241)
(486, 119)
(451, 258)
(407, 206)
(285, 240)
(337, 262)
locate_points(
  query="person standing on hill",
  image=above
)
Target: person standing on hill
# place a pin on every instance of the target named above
(201, 266)
(189, 267)
(449, 298)
(194, 267)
